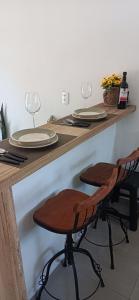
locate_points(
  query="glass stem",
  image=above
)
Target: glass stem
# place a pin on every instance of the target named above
(33, 120)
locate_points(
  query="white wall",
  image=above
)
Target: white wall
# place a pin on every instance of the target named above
(51, 45)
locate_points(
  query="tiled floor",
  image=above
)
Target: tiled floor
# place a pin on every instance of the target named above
(120, 284)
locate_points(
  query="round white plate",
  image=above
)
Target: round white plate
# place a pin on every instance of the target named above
(89, 118)
(33, 136)
(89, 114)
(16, 144)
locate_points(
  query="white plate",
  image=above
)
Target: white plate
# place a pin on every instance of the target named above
(33, 136)
(89, 118)
(16, 144)
(89, 114)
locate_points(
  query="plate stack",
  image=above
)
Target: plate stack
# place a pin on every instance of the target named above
(91, 114)
(33, 138)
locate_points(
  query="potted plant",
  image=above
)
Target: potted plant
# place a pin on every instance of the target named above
(3, 123)
(111, 84)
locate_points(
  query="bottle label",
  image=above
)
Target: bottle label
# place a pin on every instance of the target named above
(123, 95)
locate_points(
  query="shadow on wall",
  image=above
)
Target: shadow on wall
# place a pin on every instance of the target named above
(35, 237)
(27, 225)
(127, 136)
(76, 183)
(79, 185)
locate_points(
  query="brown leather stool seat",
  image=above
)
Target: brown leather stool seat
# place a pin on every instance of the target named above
(68, 212)
(56, 214)
(98, 174)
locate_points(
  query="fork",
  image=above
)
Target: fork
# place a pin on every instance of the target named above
(11, 155)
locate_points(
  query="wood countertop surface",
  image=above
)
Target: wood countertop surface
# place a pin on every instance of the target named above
(69, 137)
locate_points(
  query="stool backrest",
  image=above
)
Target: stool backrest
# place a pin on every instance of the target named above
(85, 210)
(127, 165)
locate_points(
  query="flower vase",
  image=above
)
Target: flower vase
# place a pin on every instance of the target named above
(111, 96)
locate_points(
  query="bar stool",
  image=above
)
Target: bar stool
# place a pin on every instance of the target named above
(66, 213)
(97, 176)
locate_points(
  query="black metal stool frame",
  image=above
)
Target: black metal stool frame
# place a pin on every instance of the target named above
(106, 211)
(105, 214)
(68, 252)
(128, 185)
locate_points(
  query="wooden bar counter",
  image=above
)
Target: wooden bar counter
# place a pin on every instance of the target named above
(12, 284)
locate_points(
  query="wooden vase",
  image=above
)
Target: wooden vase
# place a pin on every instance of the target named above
(111, 96)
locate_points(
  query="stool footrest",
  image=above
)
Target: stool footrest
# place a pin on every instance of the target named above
(73, 249)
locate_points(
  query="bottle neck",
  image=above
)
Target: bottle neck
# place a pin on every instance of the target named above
(124, 76)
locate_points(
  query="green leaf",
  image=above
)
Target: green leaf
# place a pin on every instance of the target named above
(3, 123)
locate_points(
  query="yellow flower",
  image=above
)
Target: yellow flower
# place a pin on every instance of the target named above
(111, 80)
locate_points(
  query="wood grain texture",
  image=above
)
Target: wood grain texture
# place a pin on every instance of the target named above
(12, 286)
(14, 174)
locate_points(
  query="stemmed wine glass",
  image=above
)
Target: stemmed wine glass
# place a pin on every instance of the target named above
(32, 104)
(86, 89)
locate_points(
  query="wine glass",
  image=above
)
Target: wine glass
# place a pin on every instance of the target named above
(32, 104)
(86, 89)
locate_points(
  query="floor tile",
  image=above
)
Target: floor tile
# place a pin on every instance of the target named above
(126, 272)
(108, 294)
(135, 293)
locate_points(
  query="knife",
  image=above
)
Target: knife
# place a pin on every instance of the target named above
(17, 155)
(11, 156)
(71, 122)
(9, 160)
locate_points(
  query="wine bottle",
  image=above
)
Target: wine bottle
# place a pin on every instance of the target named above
(123, 96)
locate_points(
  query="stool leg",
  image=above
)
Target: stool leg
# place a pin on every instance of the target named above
(81, 238)
(110, 243)
(95, 224)
(115, 195)
(46, 277)
(65, 261)
(68, 250)
(133, 209)
(75, 279)
(124, 230)
(39, 294)
(96, 267)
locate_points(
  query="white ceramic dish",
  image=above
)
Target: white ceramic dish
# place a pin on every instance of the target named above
(89, 114)
(16, 144)
(33, 137)
(99, 117)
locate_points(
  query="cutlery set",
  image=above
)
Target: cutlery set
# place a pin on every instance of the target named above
(76, 123)
(11, 157)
